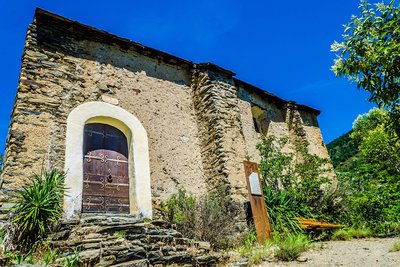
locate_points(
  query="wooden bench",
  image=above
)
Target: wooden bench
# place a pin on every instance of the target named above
(312, 224)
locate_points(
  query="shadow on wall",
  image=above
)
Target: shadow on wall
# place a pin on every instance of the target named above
(56, 34)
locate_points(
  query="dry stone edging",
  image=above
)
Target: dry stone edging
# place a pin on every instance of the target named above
(122, 241)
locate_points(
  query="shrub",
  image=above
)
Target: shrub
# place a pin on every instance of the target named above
(180, 209)
(294, 184)
(38, 208)
(209, 218)
(291, 247)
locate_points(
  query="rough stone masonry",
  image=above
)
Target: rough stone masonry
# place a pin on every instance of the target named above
(201, 122)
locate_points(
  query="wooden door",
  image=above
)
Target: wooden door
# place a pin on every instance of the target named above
(105, 170)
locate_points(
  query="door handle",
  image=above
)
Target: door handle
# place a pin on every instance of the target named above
(109, 178)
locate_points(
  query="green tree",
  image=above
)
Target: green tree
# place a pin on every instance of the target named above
(370, 55)
(371, 178)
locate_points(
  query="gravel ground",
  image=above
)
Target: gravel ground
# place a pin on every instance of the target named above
(364, 252)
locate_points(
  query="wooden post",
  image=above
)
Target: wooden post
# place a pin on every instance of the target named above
(258, 208)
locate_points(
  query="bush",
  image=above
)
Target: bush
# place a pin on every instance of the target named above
(291, 247)
(180, 209)
(209, 218)
(38, 208)
(295, 184)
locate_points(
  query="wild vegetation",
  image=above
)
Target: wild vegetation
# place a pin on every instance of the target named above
(296, 184)
(341, 149)
(370, 179)
(208, 218)
(37, 212)
(291, 246)
(370, 55)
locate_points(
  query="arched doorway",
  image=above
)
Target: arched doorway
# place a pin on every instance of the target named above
(105, 170)
(137, 156)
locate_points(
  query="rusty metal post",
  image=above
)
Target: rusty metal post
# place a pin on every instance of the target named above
(258, 208)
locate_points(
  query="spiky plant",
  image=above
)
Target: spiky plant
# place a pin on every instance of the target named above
(39, 206)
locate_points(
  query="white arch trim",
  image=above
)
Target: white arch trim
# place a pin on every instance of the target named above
(139, 170)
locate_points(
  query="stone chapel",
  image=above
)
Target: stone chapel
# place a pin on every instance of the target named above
(131, 124)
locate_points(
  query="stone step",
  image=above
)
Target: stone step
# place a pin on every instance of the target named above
(135, 263)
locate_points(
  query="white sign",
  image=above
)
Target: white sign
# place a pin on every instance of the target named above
(254, 184)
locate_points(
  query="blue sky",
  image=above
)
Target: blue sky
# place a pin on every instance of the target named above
(280, 46)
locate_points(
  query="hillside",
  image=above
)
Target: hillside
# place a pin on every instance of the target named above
(341, 149)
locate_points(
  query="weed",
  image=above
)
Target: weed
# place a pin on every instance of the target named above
(291, 247)
(249, 241)
(347, 234)
(252, 250)
(359, 233)
(341, 234)
(71, 261)
(121, 233)
(395, 247)
(50, 256)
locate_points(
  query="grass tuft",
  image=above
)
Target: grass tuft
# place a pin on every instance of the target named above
(291, 247)
(395, 247)
(348, 234)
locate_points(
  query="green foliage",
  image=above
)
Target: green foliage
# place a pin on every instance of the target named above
(370, 180)
(291, 247)
(252, 250)
(120, 233)
(248, 242)
(39, 207)
(369, 54)
(282, 208)
(294, 184)
(180, 209)
(342, 149)
(341, 234)
(395, 247)
(209, 218)
(72, 260)
(50, 256)
(350, 233)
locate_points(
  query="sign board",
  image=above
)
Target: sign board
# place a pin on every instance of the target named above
(257, 203)
(255, 188)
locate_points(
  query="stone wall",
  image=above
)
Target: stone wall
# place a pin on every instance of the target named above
(61, 71)
(199, 119)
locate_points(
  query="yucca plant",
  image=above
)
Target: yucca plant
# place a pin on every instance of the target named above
(282, 208)
(39, 206)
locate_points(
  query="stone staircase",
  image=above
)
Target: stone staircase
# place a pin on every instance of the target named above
(127, 241)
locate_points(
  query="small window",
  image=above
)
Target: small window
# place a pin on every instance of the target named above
(258, 115)
(256, 125)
